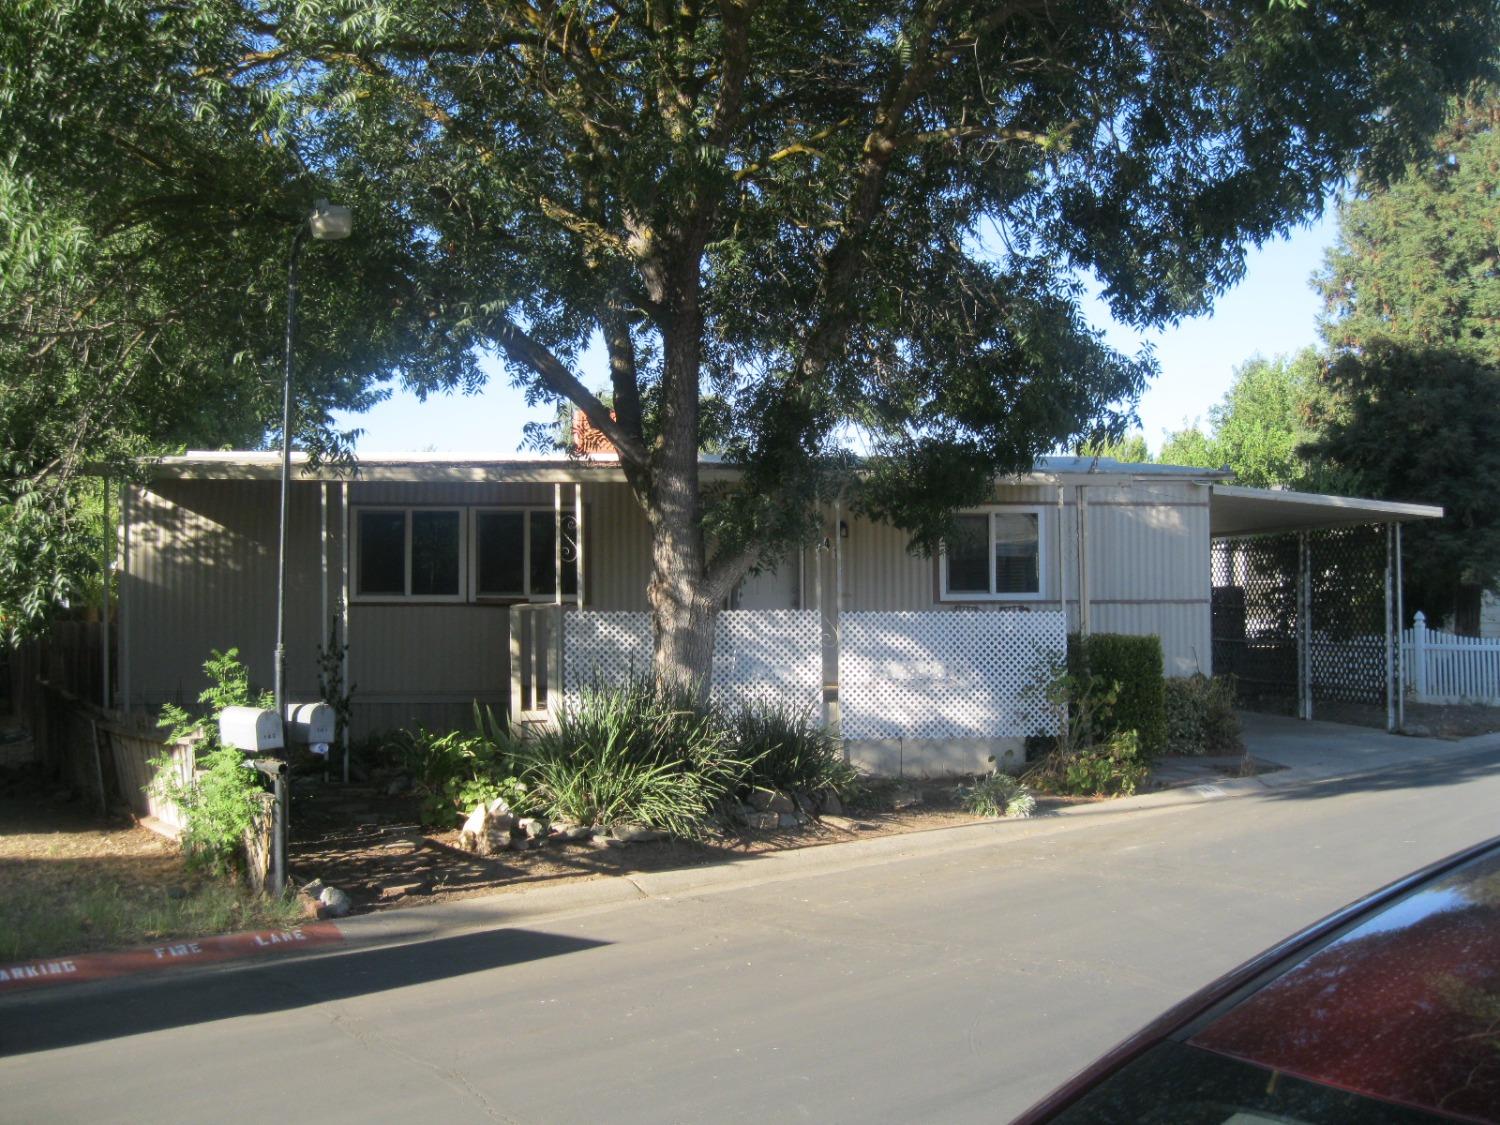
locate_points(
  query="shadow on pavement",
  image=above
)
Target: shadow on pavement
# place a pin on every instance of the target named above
(1430, 774)
(66, 1018)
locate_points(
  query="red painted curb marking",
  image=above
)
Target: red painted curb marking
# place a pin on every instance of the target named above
(202, 951)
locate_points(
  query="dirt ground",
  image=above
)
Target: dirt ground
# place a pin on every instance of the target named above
(389, 860)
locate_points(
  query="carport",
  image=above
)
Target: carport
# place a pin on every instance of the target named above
(1306, 601)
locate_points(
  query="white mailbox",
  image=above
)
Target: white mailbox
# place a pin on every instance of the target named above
(254, 730)
(309, 724)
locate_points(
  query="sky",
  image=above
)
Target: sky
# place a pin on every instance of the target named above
(1273, 311)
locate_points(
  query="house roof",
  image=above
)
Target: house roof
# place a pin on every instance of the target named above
(1234, 510)
(266, 465)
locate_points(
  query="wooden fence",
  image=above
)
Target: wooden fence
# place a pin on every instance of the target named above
(1446, 668)
(105, 755)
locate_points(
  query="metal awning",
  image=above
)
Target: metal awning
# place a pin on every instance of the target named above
(1234, 510)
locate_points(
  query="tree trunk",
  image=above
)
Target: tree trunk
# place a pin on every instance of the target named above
(683, 605)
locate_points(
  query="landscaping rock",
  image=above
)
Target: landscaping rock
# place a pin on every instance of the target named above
(791, 820)
(533, 828)
(600, 840)
(314, 889)
(486, 832)
(636, 834)
(828, 802)
(335, 902)
(804, 803)
(763, 821)
(571, 833)
(769, 800)
(398, 785)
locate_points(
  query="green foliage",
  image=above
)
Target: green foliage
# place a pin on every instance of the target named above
(784, 748)
(997, 794)
(1262, 427)
(777, 209)
(1112, 769)
(1413, 328)
(1095, 754)
(1201, 716)
(1134, 666)
(1414, 264)
(223, 798)
(456, 771)
(639, 754)
(1130, 449)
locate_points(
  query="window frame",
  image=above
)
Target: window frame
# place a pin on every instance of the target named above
(406, 510)
(527, 596)
(991, 511)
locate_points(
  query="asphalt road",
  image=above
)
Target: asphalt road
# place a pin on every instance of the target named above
(956, 986)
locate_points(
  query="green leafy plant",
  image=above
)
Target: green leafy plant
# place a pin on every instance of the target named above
(785, 749)
(997, 794)
(1091, 756)
(456, 771)
(1114, 769)
(638, 754)
(1201, 717)
(222, 798)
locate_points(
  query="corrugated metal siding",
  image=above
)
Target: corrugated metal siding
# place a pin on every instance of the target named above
(202, 575)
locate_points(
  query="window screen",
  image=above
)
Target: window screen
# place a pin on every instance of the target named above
(382, 553)
(1016, 545)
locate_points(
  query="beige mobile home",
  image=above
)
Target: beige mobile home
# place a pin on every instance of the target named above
(455, 579)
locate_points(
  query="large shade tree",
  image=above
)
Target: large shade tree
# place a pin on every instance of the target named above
(828, 219)
(1412, 288)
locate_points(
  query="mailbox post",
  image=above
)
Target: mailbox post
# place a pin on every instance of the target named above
(259, 732)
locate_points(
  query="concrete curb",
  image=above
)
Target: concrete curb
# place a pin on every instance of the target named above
(86, 967)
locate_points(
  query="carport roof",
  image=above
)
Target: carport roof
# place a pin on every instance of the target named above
(1234, 510)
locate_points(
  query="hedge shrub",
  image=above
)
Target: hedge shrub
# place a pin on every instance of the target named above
(1135, 663)
(1200, 716)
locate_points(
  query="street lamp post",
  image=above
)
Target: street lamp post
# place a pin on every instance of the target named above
(328, 222)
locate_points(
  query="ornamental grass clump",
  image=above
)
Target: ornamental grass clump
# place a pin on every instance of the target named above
(633, 755)
(997, 794)
(785, 749)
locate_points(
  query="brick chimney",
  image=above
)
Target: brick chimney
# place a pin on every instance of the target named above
(587, 441)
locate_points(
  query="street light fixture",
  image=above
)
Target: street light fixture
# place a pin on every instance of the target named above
(328, 222)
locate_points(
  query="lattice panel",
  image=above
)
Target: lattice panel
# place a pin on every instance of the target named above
(942, 675)
(1255, 618)
(771, 656)
(1347, 650)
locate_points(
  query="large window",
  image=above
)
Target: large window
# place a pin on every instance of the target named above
(994, 555)
(515, 554)
(457, 554)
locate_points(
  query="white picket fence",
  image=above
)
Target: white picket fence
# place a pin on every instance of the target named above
(1445, 668)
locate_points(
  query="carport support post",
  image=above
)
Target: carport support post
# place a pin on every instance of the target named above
(1304, 627)
(1391, 687)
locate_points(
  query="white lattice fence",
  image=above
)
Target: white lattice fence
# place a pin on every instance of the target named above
(945, 675)
(768, 655)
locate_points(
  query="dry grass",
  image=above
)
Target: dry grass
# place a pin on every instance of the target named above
(70, 883)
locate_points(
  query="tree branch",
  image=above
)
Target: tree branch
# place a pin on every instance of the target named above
(522, 349)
